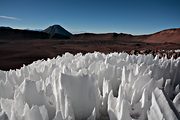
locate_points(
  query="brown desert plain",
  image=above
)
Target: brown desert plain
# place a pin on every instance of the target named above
(18, 47)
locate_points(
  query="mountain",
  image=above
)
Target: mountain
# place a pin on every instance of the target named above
(169, 35)
(3, 27)
(120, 37)
(165, 36)
(17, 34)
(52, 32)
(101, 37)
(56, 31)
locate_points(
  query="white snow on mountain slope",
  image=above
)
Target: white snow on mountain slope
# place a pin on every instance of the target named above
(94, 86)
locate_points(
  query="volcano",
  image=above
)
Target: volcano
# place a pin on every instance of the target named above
(56, 31)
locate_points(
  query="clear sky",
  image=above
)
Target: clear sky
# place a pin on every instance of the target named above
(129, 16)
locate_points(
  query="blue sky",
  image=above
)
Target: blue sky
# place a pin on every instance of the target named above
(129, 16)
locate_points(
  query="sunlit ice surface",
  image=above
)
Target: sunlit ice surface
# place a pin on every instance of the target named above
(94, 86)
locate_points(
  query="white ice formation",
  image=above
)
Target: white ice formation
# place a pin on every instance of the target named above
(94, 86)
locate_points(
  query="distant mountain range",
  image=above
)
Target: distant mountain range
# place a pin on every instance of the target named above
(165, 36)
(58, 32)
(52, 32)
(17, 34)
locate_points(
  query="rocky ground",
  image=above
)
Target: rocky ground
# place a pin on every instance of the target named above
(15, 53)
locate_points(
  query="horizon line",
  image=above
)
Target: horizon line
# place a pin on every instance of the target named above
(81, 32)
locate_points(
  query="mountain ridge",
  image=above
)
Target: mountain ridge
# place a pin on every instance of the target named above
(58, 32)
(163, 36)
